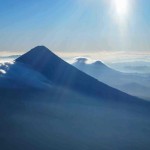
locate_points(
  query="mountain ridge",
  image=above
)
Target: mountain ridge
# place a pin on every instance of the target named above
(63, 74)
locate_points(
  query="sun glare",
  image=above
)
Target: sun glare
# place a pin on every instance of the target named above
(121, 7)
(121, 11)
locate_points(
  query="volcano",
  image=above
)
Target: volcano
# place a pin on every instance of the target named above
(60, 73)
(48, 104)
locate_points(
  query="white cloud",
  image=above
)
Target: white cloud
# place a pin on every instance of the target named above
(2, 71)
(107, 56)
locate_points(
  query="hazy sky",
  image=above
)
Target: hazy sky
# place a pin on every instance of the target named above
(75, 25)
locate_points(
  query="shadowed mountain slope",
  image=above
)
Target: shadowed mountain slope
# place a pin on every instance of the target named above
(63, 74)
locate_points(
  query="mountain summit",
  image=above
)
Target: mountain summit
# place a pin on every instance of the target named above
(37, 56)
(44, 61)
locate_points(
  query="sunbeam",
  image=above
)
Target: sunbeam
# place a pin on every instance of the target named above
(121, 7)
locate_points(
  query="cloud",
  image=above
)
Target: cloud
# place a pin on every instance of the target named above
(2, 71)
(102, 55)
(81, 60)
(4, 67)
(8, 58)
(107, 56)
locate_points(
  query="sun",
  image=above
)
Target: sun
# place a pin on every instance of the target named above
(121, 11)
(121, 7)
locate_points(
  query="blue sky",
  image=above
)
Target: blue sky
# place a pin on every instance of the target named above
(75, 25)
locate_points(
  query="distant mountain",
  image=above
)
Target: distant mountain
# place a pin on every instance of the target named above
(95, 69)
(115, 78)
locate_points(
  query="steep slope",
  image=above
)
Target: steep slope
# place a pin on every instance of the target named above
(62, 74)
